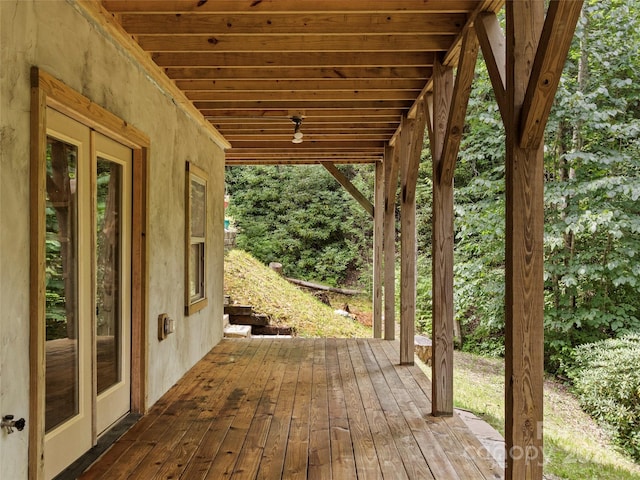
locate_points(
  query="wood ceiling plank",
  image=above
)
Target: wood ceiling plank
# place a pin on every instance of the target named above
(307, 104)
(295, 43)
(300, 73)
(313, 136)
(294, 59)
(331, 113)
(284, 6)
(311, 145)
(233, 130)
(304, 96)
(299, 85)
(295, 23)
(295, 161)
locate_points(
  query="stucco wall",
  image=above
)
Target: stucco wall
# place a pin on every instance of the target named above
(56, 36)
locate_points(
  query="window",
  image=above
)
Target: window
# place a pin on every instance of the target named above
(196, 239)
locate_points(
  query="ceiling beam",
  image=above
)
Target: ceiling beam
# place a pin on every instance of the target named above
(294, 43)
(294, 23)
(275, 72)
(284, 6)
(293, 59)
(279, 85)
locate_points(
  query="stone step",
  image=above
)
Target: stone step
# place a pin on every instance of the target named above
(237, 331)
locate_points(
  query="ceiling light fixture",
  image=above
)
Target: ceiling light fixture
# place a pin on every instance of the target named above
(297, 134)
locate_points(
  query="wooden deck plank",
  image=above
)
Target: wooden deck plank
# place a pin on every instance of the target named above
(438, 461)
(272, 462)
(343, 464)
(389, 457)
(456, 453)
(253, 448)
(247, 393)
(220, 393)
(367, 465)
(297, 456)
(455, 427)
(414, 461)
(319, 430)
(299, 408)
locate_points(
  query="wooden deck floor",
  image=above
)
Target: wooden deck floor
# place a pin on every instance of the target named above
(296, 409)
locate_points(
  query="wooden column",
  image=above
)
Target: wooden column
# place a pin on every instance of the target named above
(441, 250)
(391, 163)
(447, 111)
(411, 137)
(524, 347)
(532, 75)
(378, 227)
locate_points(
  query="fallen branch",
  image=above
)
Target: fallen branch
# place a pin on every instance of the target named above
(317, 286)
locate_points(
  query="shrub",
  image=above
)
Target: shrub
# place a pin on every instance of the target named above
(606, 378)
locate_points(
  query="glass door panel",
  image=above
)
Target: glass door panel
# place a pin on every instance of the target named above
(62, 382)
(68, 371)
(108, 273)
(112, 279)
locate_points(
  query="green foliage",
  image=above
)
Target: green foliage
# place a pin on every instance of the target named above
(607, 380)
(301, 217)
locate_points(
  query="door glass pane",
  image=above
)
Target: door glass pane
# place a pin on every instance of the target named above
(108, 273)
(61, 385)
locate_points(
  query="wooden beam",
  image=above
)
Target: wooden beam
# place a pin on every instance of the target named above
(291, 43)
(391, 165)
(493, 46)
(293, 59)
(351, 104)
(524, 294)
(284, 6)
(555, 41)
(458, 108)
(411, 143)
(290, 23)
(299, 84)
(349, 187)
(300, 95)
(219, 72)
(442, 249)
(378, 228)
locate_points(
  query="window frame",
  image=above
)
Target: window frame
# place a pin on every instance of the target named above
(195, 303)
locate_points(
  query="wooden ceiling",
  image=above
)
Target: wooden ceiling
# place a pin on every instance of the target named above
(350, 68)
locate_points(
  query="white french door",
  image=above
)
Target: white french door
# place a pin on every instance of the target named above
(88, 290)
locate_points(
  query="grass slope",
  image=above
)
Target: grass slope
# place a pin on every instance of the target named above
(250, 282)
(574, 446)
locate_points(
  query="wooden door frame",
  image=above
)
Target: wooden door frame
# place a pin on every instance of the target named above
(46, 91)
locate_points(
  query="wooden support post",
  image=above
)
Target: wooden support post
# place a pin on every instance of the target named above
(524, 347)
(534, 58)
(378, 227)
(391, 162)
(411, 147)
(408, 245)
(441, 248)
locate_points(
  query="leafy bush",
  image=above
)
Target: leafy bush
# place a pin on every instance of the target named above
(606, 377)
